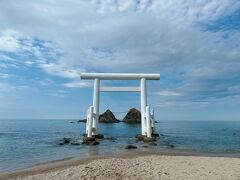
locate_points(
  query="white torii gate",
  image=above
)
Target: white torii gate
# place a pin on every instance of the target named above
(147, 117)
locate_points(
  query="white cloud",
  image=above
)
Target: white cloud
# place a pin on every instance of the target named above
(168, 93)
(4, 87)
(177, 11)
(77, 84)
(9, 44)
(60, 70)
(29, 63)
(5, 75)
(131, 36)
(8, 88)
(234, 89)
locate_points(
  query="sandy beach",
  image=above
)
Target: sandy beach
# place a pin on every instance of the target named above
(135, 167)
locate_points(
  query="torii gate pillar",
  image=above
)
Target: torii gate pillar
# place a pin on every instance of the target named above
(143, 105)
(147, 119)
(96, 89)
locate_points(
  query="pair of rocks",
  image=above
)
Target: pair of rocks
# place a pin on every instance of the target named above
(133, 116)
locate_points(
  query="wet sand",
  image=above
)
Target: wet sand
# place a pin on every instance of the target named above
(134, 164)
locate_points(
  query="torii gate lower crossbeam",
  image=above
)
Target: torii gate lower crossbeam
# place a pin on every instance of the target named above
(147, 118)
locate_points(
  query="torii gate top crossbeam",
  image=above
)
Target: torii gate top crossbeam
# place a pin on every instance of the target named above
(119, 76)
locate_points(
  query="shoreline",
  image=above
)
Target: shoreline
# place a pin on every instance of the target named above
(61, 164)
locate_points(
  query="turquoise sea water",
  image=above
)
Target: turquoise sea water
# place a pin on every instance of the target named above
(24, 143)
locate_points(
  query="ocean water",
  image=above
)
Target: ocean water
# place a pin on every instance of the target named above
(24, 143)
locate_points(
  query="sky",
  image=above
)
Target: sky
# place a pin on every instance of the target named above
(193, 44)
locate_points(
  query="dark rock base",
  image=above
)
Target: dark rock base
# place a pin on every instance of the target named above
(143, 138)
(147, 139)
(99, 136)
(89, 138)
(139, 137)
(90, 141)
(71, 141)
(130, 147)
(155, 135)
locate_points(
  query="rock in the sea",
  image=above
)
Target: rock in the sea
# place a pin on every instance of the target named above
(95, 143)
(130, 147)
(155, 135)
(65, 141)
(139, 137)
(76, 142)
(133, 116)
(99, 136)
(82, 120)
(70, 141)
(90, 141)
(149, 139)
(108, 117)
